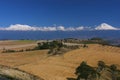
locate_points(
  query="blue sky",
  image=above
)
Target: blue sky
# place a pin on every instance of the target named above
(60, 12)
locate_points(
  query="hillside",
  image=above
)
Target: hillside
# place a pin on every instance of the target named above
(8, 73)
(60, 67)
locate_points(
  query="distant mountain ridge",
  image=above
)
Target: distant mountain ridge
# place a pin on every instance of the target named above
(20, 27)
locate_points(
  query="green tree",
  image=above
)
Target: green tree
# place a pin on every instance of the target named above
(114, 71)
(101, 66)
(85, 71)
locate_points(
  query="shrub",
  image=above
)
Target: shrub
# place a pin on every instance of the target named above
(101, 65)
(21, 50)
(8, 51)
(96, 38)
(85, 46)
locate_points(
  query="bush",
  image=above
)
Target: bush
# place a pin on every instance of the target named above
(8, 51)
(28, 49)
(21, 50)
(96, 38)
(85, 46)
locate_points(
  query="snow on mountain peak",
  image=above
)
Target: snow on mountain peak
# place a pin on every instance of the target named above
(105, 26)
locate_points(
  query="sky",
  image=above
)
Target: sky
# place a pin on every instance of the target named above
(68, 13)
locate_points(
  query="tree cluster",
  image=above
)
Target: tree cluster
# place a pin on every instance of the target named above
(49, 45)
(86, 72)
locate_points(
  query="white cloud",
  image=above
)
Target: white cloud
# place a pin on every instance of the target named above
(61, 28)
(80, 28)
(45, 28)
(70, 29)
(19, 27)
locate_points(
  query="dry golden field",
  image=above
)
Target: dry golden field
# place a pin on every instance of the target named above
(60, 67)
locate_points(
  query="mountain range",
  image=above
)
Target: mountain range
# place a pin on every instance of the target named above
(19, 27)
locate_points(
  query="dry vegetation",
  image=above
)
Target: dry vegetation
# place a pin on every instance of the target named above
(9, 73)
(60, 67)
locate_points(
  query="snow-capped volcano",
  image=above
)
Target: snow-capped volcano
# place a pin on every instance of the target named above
(105, 26)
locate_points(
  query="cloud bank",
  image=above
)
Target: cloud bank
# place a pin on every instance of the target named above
(20, 27)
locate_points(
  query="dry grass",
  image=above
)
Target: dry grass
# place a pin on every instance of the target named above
(17, 44)
(63, 66)
(8, 73)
